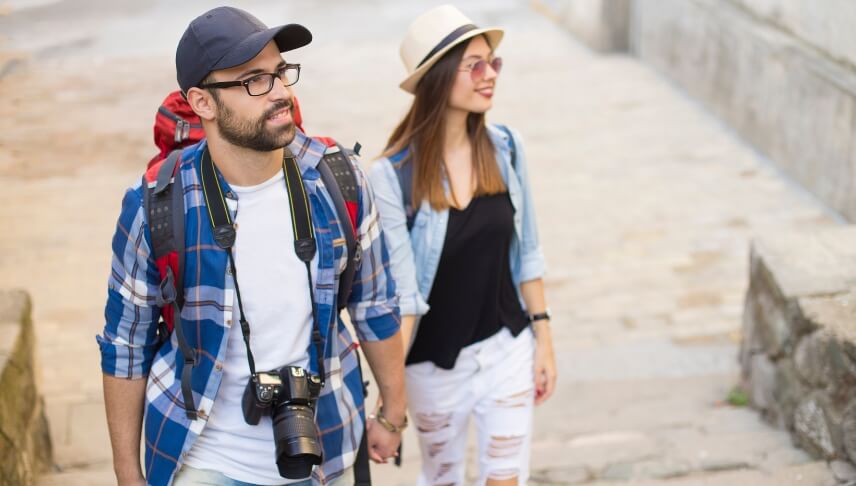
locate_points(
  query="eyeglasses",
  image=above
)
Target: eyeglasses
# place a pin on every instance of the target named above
(261, 84)
(477, 69)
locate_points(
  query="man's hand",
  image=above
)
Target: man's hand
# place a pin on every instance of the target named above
(383, 444)
(386, 359)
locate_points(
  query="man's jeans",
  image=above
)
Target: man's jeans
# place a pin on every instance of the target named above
(188, 476)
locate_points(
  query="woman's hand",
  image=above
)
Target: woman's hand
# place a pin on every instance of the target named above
(545, 362)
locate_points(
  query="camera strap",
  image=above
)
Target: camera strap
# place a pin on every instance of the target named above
(304, 238)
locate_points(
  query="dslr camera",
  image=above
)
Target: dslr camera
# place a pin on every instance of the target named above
(288, 395)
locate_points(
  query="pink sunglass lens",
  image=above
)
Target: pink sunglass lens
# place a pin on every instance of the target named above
(496, 64)
(480, 67)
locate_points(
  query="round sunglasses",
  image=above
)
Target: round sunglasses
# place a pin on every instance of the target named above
(477, 69)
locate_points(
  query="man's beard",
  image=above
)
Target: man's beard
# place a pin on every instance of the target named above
(254, 135)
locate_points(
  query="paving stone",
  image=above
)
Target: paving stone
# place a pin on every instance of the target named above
(843, 471)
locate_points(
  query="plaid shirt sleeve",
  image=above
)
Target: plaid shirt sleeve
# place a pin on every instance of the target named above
(373, 304)
(129, 340)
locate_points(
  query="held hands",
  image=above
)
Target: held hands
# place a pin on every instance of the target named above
(384, 435)
(545, 362)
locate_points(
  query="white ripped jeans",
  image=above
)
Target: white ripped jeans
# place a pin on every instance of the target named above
(493, 381)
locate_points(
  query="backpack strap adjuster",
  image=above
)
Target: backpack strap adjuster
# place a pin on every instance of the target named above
(166, 290)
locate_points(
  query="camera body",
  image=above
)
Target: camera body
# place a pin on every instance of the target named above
(288, 395)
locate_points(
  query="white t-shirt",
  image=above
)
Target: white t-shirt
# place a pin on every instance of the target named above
(275, 295)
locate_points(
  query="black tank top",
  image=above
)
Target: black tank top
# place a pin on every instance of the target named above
(473, 295)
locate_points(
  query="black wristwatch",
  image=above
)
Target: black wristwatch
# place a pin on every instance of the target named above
(541, 316)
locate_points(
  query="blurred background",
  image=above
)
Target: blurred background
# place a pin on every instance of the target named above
(693, 175)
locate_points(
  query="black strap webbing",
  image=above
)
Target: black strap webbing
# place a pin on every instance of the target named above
(362, 470)
(304, 238)
(164, 205)
(168, 296)
(341, 183)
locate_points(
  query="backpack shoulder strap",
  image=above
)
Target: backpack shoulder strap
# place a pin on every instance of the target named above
(164, 205)
(339, 178)
(511, 145)
(403, 166)
(163, 199)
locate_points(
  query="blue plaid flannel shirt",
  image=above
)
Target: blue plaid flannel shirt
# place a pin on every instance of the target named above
(130, 347)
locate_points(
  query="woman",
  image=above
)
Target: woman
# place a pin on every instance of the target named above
(469, 252)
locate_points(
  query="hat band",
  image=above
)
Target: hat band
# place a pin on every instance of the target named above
(446, 41)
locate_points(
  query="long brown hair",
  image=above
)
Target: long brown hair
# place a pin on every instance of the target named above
(423, 131)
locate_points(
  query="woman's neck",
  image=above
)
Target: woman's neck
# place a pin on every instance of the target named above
(456, 136)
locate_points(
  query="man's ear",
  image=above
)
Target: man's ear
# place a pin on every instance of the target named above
(202, 103)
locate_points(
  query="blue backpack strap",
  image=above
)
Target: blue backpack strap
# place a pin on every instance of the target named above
(403, 166)
(511, 145)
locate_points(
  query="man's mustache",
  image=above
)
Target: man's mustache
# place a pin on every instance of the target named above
(277, 107)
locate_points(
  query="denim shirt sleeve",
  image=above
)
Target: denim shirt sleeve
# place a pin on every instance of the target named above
(373, 303)
(391, 208)
(129, 339)
(532, 265)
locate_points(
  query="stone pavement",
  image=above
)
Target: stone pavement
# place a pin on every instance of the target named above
(646, 205)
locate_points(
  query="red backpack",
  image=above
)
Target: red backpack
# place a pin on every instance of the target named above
(177, 126)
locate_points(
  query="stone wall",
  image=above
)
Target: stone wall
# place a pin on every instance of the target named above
(602, 24)
(798, 355)
(25, 446)
(782, 73)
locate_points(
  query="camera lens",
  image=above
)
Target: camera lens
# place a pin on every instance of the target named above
(297, 444)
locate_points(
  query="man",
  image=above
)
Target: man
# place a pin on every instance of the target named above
(231, 69)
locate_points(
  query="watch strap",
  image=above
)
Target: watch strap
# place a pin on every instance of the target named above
(540, 316)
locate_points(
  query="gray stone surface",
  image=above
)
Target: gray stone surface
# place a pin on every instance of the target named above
(849, 432)
(787, 96)
(812, 427)
(603, 25)
(797, 285)
(646, 205)
(826, 264)
(762, 375)
(843, 471)
(828, 29)
(809, 360)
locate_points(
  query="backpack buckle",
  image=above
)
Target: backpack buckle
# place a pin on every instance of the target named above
(166, 289)
(358, 255)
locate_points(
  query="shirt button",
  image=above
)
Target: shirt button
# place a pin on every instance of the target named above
(228, 322)
(228, 270)
(218, 366)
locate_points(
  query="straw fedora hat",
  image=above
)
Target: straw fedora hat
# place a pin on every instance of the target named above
(432, 35)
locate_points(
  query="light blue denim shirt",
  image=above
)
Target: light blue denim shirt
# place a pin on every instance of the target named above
(414, 256)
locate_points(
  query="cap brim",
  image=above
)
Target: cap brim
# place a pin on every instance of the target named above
(287, 38)
(494, 36)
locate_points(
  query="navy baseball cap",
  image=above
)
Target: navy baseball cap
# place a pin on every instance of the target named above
(226, 37)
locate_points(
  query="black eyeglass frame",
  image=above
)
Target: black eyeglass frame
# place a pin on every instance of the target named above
(246, 83)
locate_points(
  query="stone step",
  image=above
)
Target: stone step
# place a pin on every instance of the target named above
(813, 473)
